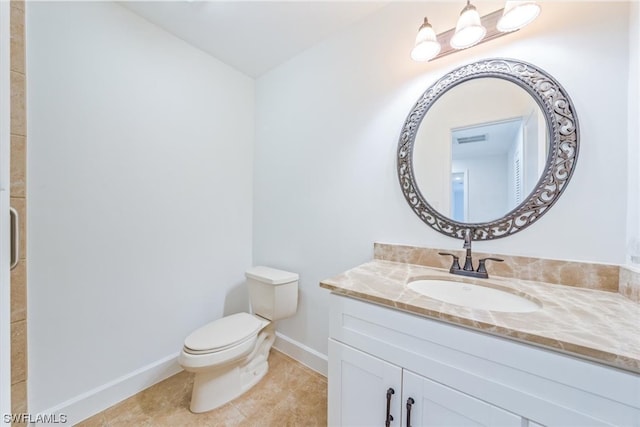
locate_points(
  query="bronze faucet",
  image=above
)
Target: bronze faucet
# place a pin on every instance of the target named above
(468, 269)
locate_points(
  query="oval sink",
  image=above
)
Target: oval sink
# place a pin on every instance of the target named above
(473, 296)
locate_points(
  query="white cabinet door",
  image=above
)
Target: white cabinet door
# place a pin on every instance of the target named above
(437, 405)
(358, 387)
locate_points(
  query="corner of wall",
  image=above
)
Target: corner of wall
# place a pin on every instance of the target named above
(302, 353)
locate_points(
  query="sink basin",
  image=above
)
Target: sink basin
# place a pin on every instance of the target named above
(473, 296)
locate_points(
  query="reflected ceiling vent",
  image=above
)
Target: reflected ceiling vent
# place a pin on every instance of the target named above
(470, 139)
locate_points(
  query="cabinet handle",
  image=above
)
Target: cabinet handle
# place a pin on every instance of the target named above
(390, 392)
(15, 238)
(410, 403)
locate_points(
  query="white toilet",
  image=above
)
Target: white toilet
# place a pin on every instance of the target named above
(229, 355)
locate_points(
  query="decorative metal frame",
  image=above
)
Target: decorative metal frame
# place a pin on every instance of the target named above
(563, 132)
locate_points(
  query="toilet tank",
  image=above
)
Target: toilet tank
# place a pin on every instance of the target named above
(273, 293)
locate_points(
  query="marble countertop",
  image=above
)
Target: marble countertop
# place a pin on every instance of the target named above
(593, 324)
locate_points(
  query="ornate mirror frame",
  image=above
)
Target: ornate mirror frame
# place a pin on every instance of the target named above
(563, 136)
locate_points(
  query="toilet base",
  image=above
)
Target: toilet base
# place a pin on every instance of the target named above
(213, 388)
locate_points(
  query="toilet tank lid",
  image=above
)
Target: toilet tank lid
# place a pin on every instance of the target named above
(270, 275)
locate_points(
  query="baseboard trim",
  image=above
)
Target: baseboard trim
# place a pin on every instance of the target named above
(303, 354)
(100, 398)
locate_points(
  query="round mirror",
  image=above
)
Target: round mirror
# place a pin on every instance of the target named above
(480, 150)
(488, 147)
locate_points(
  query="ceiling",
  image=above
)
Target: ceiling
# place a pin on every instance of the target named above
(253, 36)
(499, 139)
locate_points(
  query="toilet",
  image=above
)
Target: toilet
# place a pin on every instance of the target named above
(229, 355)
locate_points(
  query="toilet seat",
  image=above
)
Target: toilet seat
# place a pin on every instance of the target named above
(224, 334)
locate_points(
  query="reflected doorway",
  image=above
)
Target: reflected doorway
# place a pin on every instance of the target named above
(460, 196)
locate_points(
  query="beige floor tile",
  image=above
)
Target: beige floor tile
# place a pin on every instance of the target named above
(289, 395)
(295, 410)
(265, 395)
(125, 413)
(225, 416)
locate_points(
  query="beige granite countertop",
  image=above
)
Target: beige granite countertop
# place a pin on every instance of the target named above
(593, 324)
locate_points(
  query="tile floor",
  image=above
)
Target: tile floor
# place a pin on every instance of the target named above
(289, 395)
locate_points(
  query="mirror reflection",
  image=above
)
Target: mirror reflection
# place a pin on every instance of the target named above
(480, 150)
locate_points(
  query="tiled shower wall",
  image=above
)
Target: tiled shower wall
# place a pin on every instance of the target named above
(19, 202)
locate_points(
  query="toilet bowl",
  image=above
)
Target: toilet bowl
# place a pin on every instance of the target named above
(230, 355)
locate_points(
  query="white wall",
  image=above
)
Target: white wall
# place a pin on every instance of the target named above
(633, 210)
(327, 127)
(140, 184)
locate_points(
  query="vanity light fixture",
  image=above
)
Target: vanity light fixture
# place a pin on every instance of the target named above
(471, 29)
(517, 14)
(427, 45)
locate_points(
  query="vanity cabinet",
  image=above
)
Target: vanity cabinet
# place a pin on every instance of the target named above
(460, 377)
(374, 391)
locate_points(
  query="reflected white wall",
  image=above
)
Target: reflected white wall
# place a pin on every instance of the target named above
(488, 189)
(471, 103)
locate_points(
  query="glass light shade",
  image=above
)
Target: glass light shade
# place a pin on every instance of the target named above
(427, 45)
(517, 14)
(469, 30)
(425, 51)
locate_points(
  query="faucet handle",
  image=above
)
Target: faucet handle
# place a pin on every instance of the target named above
(455, 265)
(481, 263)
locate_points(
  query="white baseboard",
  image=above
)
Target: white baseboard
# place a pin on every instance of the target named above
(300, 352)
(100, 398)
